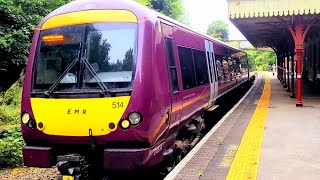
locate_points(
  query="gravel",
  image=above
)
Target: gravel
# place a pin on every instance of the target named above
(27, 173)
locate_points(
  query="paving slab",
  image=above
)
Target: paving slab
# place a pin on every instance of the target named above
(291, 143)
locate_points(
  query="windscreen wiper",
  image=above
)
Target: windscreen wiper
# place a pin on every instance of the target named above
(120, 90)
(95, 75)
(55, 84)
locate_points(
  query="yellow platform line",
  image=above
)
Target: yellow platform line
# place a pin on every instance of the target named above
(245, 163)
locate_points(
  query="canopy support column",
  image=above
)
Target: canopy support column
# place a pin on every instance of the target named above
(278, 68)
(284, 82)
(299, 33)
(281, 69)
(299, 52)
(293, 93)
(287, 73)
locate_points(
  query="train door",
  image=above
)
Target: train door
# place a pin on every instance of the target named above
(214, 69)
(212, 72)
(175, 93)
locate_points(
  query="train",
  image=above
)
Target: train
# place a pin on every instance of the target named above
(119, 83)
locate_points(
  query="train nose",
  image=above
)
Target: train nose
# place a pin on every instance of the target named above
(73, 117)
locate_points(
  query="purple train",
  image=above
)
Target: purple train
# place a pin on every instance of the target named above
(120, 80)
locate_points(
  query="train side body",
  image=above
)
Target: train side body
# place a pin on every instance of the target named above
(163, 111)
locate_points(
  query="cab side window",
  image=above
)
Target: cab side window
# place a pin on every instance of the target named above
(172, 65)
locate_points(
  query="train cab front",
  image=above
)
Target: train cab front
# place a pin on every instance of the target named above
(79, 87)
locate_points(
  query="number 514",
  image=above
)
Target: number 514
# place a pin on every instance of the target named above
(117, 105)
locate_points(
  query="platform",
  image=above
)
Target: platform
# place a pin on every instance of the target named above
(265, 136)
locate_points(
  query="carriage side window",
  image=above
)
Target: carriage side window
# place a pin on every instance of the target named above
(318, 56)
(236, 65)
(220, 70)
(226, 67)
(201, 67)
(244, 65)
(187, 68)
(172, 65)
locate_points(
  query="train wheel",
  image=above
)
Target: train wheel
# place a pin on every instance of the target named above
(167, 165)
(171, 161)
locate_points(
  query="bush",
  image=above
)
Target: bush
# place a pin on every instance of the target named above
(265, 67)
(9, 115)
(10, 103)
(11, 143)
(12, 97)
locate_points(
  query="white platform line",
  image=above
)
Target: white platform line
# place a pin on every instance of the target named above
(190, 155)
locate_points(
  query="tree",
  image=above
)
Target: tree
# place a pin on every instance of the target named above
(171, 8)
(99, 50)
(128, 60)
(18, 19)
(262, 59)
(145, 2)
(219, 29)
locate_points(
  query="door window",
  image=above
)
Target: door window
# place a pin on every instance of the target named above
(172, 65)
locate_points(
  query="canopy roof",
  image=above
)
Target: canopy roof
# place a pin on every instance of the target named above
(271, 8)
(265, 22)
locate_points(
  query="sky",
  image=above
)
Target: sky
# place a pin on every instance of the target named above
(202, 12)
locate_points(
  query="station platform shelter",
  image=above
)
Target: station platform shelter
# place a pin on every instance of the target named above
(264, 136)
(291, 28)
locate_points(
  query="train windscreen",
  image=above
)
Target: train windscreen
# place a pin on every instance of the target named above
(81, 57)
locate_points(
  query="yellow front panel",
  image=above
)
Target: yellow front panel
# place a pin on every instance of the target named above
(89, 16)
(74, 117)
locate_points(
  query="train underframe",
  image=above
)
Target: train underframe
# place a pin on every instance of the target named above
(186, 139)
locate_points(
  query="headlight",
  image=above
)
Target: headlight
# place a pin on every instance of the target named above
(32, 123)
(25, 118)
(125, 124)
(135, 118)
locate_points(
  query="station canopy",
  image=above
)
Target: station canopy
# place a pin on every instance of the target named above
(284, 26)
(265, 22)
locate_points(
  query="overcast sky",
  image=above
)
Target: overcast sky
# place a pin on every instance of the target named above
(202, 12)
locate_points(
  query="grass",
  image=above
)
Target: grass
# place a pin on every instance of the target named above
(200, 174)
(10, 105)
(220, 141)
(9, 115)
(10, 134)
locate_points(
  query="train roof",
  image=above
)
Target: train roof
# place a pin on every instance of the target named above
(219, 42)
(141, 12)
